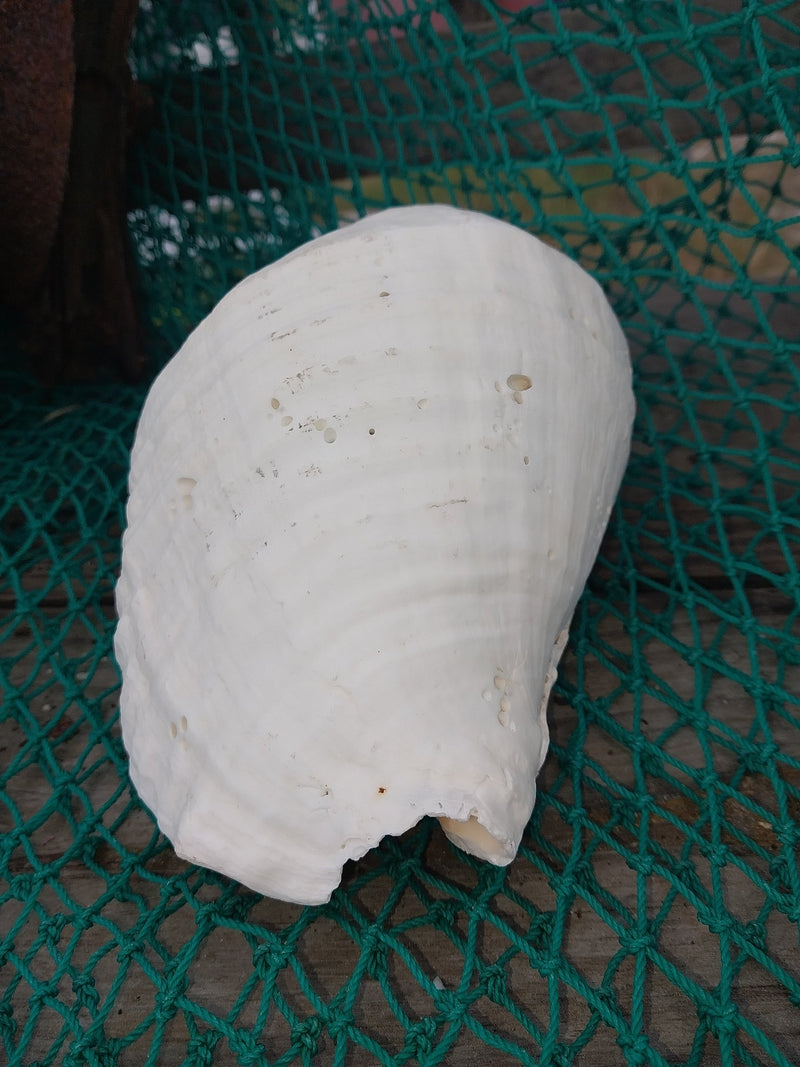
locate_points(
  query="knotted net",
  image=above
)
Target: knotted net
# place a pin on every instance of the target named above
(653, 914)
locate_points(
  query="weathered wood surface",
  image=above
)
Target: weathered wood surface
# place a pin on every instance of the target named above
(593, 761)
(327, 953)
(392, 103)
(72, 691)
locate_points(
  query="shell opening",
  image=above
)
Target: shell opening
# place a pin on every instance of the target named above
(471, 836)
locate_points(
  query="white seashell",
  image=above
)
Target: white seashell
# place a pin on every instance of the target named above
(365, 497)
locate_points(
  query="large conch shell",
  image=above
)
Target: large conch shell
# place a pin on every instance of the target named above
(365, 497)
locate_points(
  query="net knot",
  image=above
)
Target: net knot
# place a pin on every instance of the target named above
(756, 758)
(200, 1049)
(495, 984)
(636, 1048)
(576, 815)
(420, 1038)
(561, 44)
(787, 833)
(540, 929)
(23, 886)
(641, 862)
(248, 1051)
(374, 951)
(269, 959)
(720, 1019)
(175, 983)
(90, 1050)
(756, 934)
(51, 929)
(42, 992)
(562, 1056)
(8, 1025)
(129, 949)
(638, 942)
(307, 1034)
(234, 908)
(86, 995)
(781, 871)
(442, 913)
(341, 1025)
(627, 40)
(652, 762)
(718, 924)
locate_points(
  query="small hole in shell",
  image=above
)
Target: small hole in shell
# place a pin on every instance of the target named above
(173, 730)
(320, 424)
(329, 435)
(526, 460)
(381, 790)
(372, 431)
(275, 403)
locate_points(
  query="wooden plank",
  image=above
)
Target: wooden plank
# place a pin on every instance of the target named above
(390, 104)
(715, 467)
(593, 762)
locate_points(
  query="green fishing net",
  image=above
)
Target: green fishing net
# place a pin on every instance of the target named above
(652, 916)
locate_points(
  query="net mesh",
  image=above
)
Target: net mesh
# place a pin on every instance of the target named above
(653, 914)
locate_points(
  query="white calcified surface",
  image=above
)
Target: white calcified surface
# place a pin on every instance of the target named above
(365, 497)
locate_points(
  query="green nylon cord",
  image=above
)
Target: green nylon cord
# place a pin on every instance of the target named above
(659, 145)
